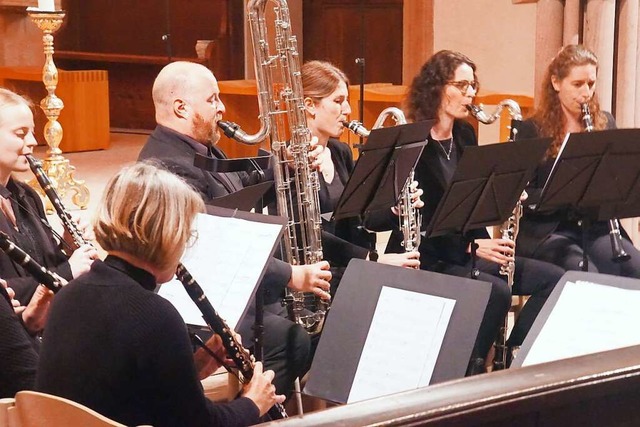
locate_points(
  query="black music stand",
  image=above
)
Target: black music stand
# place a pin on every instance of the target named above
(382, 169)
(595, 169)
(485, 187)
(341, 345)
(597, 175)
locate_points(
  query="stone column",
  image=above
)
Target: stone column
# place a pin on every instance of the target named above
(549, 24)
(599, 32)
(571, 30)
(627, 64)
(417, 36)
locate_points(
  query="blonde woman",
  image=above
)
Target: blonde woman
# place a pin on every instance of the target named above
(114, 345)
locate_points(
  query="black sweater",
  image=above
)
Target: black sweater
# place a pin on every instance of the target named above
(115, 346)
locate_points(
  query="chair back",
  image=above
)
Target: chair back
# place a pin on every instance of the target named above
(36, 409)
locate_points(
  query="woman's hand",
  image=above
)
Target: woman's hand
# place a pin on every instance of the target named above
(500, 251)
(205, 363)
(406, 259)
(81, 260)
(261, 391)
(83, 227)
(416, 201)
(34, 315)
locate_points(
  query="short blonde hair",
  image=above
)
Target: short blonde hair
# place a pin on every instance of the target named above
(148, 212)
(11, 99)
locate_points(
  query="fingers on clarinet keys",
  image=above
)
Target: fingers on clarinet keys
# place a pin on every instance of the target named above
(261, 391)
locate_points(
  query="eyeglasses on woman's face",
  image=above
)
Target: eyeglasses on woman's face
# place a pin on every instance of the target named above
(464, 85)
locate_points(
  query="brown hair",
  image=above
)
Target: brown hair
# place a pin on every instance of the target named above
(548, 117)
(321, 78)
(147, 212)
(425, 93)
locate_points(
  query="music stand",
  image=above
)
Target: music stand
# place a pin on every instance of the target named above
(343, 342)
(596, 169)
(382, 169)
(558, 328)
(486, 185)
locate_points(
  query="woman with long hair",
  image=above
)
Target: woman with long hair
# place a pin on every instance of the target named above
(556, 236)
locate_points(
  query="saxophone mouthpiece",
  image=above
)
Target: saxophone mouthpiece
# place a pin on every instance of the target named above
(231, 129)
(357, 128)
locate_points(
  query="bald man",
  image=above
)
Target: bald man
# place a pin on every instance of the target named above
(188, 106)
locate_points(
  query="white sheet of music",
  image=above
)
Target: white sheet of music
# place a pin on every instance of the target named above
(588, 318)
(226, 261)
(402, 344)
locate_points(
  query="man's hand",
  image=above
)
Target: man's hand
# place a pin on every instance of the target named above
(500, 251)
(406, 259)
(261, 391)
(311, 278)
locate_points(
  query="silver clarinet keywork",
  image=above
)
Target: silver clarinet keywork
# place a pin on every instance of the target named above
(409, 217)
(234, 349)
(509, 228)
(617, 251)
(282, 118)
(68, 222)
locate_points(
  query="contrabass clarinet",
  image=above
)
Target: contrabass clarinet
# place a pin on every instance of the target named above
(409, 217)
(45, 183)
(297, 184)
(618, 252)
(509, 228)
(234, 349)
(46, 277)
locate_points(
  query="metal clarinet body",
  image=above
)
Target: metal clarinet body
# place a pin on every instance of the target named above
(617, 251)
(48, 278)
(409, 217)
(282, 118)
(235, 350)
(49, 190)
(509, 228)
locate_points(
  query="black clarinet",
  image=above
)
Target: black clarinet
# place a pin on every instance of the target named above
(234, 349)
(618, 252)
(52, 195)
(48, 278)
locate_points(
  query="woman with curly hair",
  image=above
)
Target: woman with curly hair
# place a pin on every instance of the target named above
(556, 236)
(442, 90)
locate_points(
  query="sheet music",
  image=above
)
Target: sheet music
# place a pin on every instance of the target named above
(402, 344)
(588, 318)
(226, 260)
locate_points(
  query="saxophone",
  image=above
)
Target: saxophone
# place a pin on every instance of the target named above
(409, 217)
(618, 252)
(509, 228)
(282, 118)
(234, 349)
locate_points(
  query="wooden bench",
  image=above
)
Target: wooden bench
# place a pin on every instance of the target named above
(85, 93)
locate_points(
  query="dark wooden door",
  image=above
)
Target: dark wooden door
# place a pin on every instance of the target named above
(334, 31)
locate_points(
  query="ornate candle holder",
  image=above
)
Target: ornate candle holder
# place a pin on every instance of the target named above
(57, 168)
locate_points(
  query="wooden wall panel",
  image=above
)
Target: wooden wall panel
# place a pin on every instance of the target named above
(333, 32)
(125, 38)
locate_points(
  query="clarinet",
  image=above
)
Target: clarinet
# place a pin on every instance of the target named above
(618, 252)
(235, 350)
(48, 278)
(49, 190)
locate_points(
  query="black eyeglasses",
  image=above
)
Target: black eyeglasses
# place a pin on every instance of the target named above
(464, 85)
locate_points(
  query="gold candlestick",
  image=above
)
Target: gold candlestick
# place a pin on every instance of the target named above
(57, 168)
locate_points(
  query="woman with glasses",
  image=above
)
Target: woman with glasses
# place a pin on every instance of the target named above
(442, 90)
(556, 236)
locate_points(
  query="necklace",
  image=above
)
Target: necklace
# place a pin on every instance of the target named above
(447, 153)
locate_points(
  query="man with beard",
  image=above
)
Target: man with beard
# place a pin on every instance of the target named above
(188, 106)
